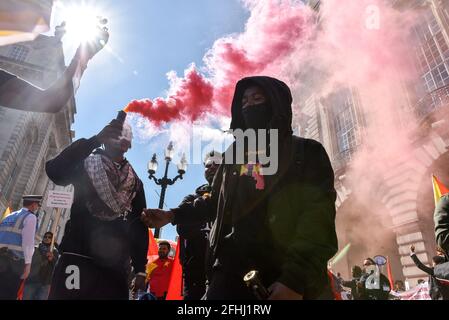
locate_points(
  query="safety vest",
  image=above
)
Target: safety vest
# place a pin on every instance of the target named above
(11, 232)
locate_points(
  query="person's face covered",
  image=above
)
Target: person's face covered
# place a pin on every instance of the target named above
(118, 147)
(255, 108)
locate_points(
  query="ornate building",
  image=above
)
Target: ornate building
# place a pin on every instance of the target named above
(400, 212)
(28, 139)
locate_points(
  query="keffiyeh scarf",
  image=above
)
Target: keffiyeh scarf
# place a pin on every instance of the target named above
(115, 186)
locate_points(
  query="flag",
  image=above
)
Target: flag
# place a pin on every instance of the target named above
(152, 247)
(23, 20)
(439, 189)
(420, 292)
(20, 292)
(334, 286)
(390, 274)
(175, 284)
(340, 255)
(6, 213)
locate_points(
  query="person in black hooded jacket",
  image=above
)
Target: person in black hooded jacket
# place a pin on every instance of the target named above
(282, 225)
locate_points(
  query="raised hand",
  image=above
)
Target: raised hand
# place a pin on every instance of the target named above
(88, 49)
(112, 131)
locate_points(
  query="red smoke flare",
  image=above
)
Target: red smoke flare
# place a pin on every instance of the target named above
(192, 98)
(272, 33)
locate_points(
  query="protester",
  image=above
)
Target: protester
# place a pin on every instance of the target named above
(282, 225)
(193, 237)
(37, 286)
(436, 290)
(373, 284)
(159, 272)
(17, 232)
(353, 284)
(105, 230)
(399, 286)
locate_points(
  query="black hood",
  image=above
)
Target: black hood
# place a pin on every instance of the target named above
(279, 96)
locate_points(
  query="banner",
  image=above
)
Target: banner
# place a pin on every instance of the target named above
(420, 292)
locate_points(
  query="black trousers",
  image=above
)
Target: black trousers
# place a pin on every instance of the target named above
(194, 281)
(194, 290)
(226, 285)
(10, 272)
(79, 278)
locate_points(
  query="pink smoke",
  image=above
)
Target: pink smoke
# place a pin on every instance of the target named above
(272, 33)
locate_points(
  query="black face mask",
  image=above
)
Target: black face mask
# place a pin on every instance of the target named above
(257, 116)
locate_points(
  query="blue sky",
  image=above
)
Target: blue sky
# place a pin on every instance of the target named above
(149, 38)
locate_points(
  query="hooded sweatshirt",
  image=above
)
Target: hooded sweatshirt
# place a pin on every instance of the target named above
(285, 230)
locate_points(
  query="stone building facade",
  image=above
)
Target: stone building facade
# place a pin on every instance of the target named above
(403, 214)
(28, 139)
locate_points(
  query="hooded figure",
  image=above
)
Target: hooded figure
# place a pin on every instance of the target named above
(282, 225)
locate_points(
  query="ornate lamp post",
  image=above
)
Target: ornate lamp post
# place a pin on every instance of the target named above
(165, 181)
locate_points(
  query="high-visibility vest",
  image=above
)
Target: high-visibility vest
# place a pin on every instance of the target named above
(11, 232)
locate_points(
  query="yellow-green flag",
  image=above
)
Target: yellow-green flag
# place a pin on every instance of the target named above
(6, 213)
(340, 255)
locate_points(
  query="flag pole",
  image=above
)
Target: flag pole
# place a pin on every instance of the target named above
(53, 228)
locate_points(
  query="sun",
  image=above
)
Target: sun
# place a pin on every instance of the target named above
(82, 21)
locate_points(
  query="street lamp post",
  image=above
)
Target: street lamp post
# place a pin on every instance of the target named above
(164, 182)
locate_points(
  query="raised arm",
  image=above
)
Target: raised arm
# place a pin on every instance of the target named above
(19, 94)
(64, 167)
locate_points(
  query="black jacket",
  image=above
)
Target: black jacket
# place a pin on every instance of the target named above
(437, 291)
(41, 268)
(193, 236)
(374, 294)
(111, 244)
(288, 234)
(353, 284)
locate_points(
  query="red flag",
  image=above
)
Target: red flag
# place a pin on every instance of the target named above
(390, 274)
(333, 284)
(20, 292)
(175, 284)
(152, 247)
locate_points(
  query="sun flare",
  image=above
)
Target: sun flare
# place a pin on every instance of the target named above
(82, 22)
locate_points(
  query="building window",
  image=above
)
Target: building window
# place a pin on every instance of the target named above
(19, 53)
(432, 59)
(346, 125)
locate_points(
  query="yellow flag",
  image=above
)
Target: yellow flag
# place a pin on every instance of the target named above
(439, 189)
(6, 213)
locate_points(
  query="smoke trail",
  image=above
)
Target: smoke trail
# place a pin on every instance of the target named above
(273, 31)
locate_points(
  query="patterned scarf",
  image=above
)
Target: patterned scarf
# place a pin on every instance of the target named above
(115, 186)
